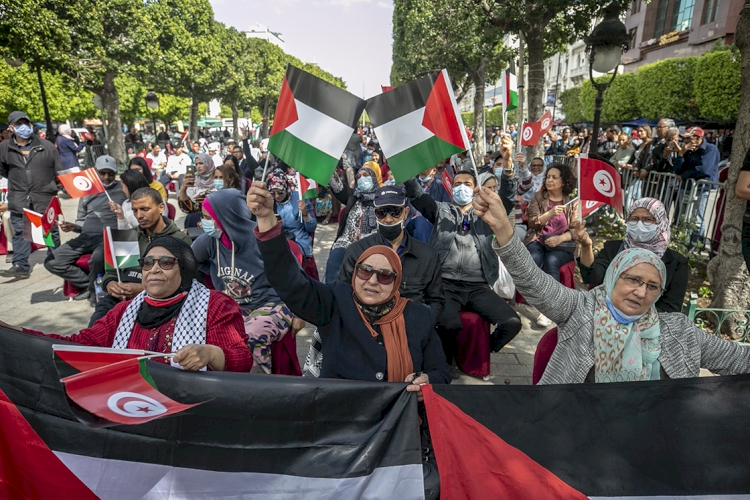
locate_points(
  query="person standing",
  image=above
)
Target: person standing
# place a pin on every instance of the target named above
(68, 147)
(31, 165)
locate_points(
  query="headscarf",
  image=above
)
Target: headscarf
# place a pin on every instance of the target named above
(536, 184)
(376, 169)
(366, 198)
(484, 177)
(64, 130)
(205, 182)
(660, 242)
(278, 180)
(152, 314)
(626, 352)
(389, 316)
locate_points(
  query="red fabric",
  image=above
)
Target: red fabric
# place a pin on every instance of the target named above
(70, 290)
(171, 211)
(310, 267)
(284, 359)
(567, 274)
(268, 235)
(600, 181)
(28, 468)
(3, 241)
(225, 329)
(475, 463)
(440, 116)
(473, 355)
(543, 353)
(296, 250)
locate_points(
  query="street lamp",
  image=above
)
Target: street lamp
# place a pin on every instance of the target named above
(152, 102)
(605, 45)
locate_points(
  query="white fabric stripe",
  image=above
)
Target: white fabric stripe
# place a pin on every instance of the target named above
(402, 133)
(122, 480)
(320, 130)
(680, 497)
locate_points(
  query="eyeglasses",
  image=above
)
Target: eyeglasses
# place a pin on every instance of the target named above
(636, 282)
(645, 220)
(385, 277)
(165, 263)
(383, 212)
(537, 165)
(278, 194)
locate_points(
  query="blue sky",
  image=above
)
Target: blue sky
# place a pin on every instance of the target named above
(349, 38)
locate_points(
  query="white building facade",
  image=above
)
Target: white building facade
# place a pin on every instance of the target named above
(264, 33)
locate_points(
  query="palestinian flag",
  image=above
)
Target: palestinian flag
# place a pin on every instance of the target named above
(33, 231)
(313, 123)
(509, 91)
(121, 249)
(308, 188)
(418, 124)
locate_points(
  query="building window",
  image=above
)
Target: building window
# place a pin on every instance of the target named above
(661, 18)
(709, 11)
(633, 33)
(682, 15)
(636, 7)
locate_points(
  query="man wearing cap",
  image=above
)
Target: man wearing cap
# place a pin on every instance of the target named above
(213, 152)
(177, 165)
(31, 165)
(93, 216)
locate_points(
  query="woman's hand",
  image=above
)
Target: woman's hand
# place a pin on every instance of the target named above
(415, 384)
(489, 207)
(297, 325)
(553, 241)
(260, 203)
(302, 206)
(117, 209)
(193, 357)
(520, 158)
(579, 234)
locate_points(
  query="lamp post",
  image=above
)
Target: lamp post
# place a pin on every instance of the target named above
(152, 102)
(605, 45)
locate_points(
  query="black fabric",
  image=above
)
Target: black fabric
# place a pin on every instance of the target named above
(152, 316)
(31, 178)
(325, 97)
(400, 101)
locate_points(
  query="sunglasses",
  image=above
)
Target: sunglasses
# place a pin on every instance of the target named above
(165, 263)
(385, 277)
(383, 212)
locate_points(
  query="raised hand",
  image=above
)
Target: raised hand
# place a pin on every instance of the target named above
(489, 207)
(579, 233)
(260, 203)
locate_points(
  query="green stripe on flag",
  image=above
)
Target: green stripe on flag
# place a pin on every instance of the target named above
(143, 370)
(311, 193)
(420, 157)
(309, 161)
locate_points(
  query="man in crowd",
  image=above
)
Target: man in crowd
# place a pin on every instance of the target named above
(148, 207)
(213, 152)
(609, 146)
(163, 136)
(158, 159)
(177, 165)
(461, 161)
(133, 137)
(93, 216)
(366, 155)
(30, 164)
(658, 160)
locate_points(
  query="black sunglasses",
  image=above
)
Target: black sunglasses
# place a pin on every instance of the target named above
(165, 263)
(385, 277)
(383, 212)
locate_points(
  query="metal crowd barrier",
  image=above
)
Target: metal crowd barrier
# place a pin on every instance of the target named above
(92, 153)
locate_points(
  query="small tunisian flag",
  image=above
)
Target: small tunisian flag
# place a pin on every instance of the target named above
(83, 183)
(49, 217)
(530, 134)
(599, 181)
(589, 207)
(475, 463)
(123, 393)
(545, 122)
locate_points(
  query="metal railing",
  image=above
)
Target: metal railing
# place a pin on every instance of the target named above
(92, 153)
(711, 320)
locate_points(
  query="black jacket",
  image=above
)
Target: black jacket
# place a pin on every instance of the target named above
(349, 351)
(421, 281)
(677, 275)
(31, 178)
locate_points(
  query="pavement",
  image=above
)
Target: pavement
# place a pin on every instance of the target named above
(39, 304)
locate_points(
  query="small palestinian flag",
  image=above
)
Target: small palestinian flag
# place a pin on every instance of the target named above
(121, 249)
(509, 92)
(32, 229)
(418, 124)
(314, 121)
(308, 188)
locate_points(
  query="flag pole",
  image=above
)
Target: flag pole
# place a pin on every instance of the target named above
(299, 190)
(580, 206)
(265, 168)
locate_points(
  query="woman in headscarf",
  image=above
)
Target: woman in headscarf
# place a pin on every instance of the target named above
(142, 166)
(647, 228)
(68, 146)
(358, 218)
(195, 188)
(229, 254)
(374, 165)
(612, 333)
(297, 216)
(174, 314)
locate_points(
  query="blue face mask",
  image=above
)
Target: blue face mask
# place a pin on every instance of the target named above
(620, 316)
(365, 184)
(218, 184)
(463, 195)
(499, 173)
(209, 227)
(390, 182)
(23, 131)
(427, 179)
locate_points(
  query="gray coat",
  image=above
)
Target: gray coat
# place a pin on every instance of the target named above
(685, 348)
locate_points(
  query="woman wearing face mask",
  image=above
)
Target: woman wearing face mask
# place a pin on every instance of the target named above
(195, 188)
(296, 216)
(648, 228)
(229, 254)
(374, 165)
(225, 177)
(358, 218)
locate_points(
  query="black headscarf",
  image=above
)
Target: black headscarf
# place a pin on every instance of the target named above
(151, 316)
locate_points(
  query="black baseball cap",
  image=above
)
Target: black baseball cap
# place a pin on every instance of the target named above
(14, 116)
(389, 196)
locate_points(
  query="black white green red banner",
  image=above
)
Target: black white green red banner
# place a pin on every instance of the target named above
(121, 249)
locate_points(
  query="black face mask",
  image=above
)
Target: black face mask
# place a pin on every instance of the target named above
(390, 232)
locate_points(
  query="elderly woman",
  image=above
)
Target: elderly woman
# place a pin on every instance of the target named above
(141, 165)
(612, 333)
(174, 315)
(647, 228)
(68, 146)
(195, 188)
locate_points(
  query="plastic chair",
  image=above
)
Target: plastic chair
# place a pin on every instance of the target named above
(171, 211)
(473, 354)
(544, 350)
(69, 289)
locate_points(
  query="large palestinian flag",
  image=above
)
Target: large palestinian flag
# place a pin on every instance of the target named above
(418, 124)
(312, 124)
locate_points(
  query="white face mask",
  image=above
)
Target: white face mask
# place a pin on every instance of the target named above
(641, 232)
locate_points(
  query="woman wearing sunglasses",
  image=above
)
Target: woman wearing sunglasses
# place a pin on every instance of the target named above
(174, 315)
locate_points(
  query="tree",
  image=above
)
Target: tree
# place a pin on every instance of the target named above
(471, 49)
(727, 271)
(665, 88)
(716, 84)
(570, 103)
(269, 72)
(620, 102)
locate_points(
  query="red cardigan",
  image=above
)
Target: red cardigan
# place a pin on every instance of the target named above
(225, 329)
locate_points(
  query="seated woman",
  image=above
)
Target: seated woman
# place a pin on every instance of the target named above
(225, 177)
(141, 166)
(195, 188)
(174, 314)
(612, 333)
(131, 181)
(369, 331)
(648, 228)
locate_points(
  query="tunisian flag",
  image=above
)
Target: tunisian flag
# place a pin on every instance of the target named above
(83, 183)
(50, 215)
(599, 181)
(530, 133)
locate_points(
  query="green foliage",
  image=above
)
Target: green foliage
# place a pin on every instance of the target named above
(493, 117)
(716, 85)
(619, 99)
(570, 102)
(665, 88)
(705, 292)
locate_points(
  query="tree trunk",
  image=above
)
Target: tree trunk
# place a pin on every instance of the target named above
(235, 125)
(111, 100)
(535, 90)
(266, 117)
(727, 272)
(478, 148)
(193, 130)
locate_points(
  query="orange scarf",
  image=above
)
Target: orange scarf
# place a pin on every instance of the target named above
(392, 325)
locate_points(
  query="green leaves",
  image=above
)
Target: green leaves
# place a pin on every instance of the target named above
(716, 84)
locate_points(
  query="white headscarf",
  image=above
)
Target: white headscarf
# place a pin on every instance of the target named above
(64, 130)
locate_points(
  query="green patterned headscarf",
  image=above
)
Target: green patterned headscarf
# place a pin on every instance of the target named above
(626, 352)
